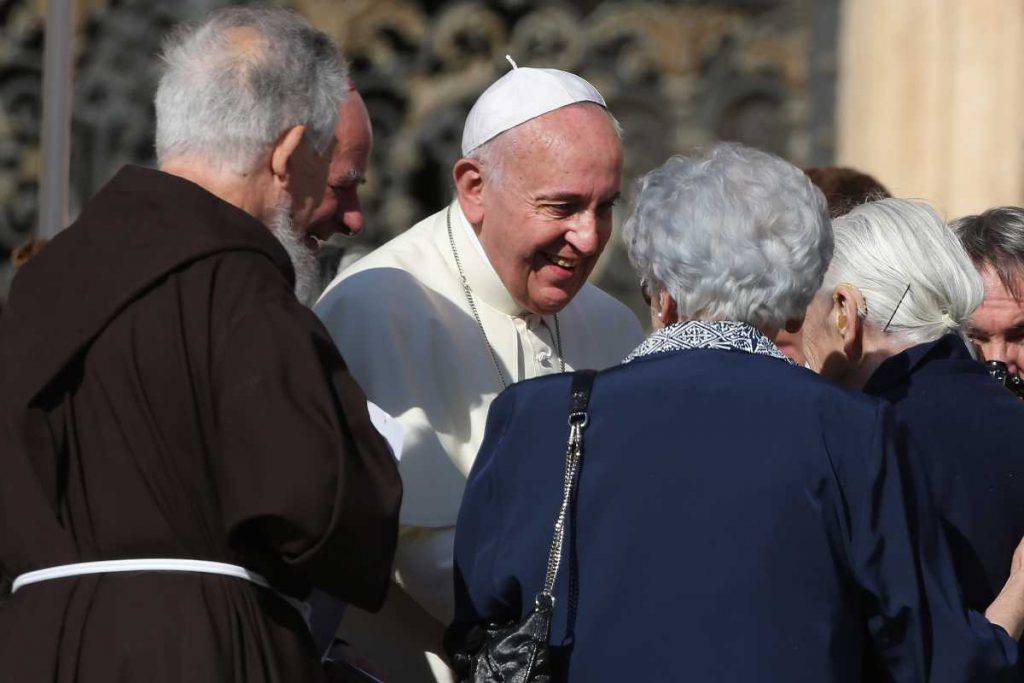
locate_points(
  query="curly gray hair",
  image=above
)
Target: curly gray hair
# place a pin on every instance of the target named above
(232, 84)
(731, 234)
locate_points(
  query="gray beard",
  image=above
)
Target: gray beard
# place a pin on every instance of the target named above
(307, 270)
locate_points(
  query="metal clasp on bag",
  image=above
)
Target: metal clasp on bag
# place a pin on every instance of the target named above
(544, 601)
(578, 419)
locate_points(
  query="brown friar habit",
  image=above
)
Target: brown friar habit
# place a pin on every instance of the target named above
(164, 395)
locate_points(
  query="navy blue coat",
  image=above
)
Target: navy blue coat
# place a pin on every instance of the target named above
(969, 433)
(738, 519)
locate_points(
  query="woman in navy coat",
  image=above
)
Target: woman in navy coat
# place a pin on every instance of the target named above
(887, 320)
(737, 517)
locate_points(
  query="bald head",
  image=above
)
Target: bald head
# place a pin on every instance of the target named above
(235, 82)
(242, 44)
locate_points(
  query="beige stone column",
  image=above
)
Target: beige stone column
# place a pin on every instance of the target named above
(931, 99)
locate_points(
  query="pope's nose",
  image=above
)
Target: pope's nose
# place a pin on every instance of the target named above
(583, 237)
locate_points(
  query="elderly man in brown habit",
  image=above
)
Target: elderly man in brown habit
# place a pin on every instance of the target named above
(184, 453)
(490, 290)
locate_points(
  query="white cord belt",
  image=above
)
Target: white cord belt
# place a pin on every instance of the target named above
(152, 565)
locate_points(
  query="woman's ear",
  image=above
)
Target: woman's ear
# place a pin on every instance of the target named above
(847, 303)
(668, 314)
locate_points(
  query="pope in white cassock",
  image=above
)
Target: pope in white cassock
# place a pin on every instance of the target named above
(489, 291)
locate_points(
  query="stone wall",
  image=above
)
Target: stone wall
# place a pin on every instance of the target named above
(676, 74)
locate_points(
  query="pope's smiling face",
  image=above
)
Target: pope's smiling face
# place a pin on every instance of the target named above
(546, 215)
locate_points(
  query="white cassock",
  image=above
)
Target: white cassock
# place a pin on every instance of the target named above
(403, 325)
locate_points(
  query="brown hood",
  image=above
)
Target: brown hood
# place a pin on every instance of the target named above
(142, 225)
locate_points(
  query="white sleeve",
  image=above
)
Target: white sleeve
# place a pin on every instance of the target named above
(423, 568)
(388, 427)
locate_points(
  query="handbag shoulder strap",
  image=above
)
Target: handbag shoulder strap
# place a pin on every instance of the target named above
(579, 394)
(579, 416)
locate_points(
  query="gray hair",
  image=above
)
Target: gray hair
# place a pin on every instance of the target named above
(996, 238)
(732, 234)
(885, 246)
(226, 97)
(493, 155)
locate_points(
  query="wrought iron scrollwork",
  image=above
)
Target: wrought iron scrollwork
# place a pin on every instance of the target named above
(676, 75)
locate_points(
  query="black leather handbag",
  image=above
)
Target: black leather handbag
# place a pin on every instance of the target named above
(518, 652)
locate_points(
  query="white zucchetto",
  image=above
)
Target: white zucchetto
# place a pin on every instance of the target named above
(520, 95)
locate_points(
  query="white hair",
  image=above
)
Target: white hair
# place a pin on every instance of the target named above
(493, 155)
(226, 96)
(304, 263)
(732, 234)
(886, 246)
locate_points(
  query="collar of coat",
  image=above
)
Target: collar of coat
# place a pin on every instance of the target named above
(139, 227)
(482, 277)
(722, 335)
(947, 354)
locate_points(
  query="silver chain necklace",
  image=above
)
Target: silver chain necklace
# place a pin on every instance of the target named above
(476, 314)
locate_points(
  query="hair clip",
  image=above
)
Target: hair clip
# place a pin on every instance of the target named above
(897, 307)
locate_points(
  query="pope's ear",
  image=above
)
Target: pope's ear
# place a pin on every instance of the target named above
(469, 184)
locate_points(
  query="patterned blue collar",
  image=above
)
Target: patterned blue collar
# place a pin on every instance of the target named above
(725, 335)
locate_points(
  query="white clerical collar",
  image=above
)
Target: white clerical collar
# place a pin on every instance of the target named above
(483, 278)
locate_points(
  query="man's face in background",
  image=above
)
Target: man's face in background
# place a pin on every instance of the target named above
(340, 210)
(997, 326)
